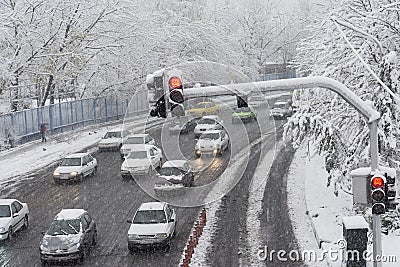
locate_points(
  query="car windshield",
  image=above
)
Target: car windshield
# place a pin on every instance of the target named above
(71, 162)
(64, 227)
(243, 109)
(206, 121)
(112, 135)
(5, 211)
(138, 155)
(212, 136)
(134, 140)
(149, 216)
(169, 171)
(279, 105)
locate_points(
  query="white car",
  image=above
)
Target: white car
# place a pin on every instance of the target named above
(70, 237)
(207, 123)
(142, 161)
(75, 167)
(133, 140)
(113, 139)
(152, 225)
(14, 215)
(213, 142)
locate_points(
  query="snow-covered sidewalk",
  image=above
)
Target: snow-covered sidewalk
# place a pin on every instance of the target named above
(316, 213)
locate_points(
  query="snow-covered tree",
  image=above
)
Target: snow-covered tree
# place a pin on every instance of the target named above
(372, 28)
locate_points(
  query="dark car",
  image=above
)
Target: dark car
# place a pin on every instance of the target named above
(174, 174)
(182, 124)
(70, 236)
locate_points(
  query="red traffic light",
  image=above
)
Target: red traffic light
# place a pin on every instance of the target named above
(175, 83)
(377, 182)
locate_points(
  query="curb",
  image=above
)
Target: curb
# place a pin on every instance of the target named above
(193, 240)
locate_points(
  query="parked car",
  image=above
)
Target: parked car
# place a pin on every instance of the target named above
(114, 139)
(174, 174)
(207, 123)
(133, 140)
(243, 114)
(213, 142)
(142, 161)
(281, 110)
(70, 236)
(182, 124)
(204, 108)
(14, 215)
(75, 167)
(153, 224)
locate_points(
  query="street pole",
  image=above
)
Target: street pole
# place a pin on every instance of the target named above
(376, 220)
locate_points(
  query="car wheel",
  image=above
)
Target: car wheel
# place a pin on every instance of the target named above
(80, 178)
(150, 171)
(10, 233)
(160, 164)
(26, 221)
(83, 255)
(168, 245)
(94, 242)
(56, 181)
(44, 263)
(94, 171)
(132, 249)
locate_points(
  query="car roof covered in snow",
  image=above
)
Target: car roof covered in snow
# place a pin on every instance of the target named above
(7, 201)
(152, 206)
(76, 155)
(174, 163)
(69, 214)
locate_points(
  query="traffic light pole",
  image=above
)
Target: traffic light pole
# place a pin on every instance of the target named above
(376, 219)
(306, 83)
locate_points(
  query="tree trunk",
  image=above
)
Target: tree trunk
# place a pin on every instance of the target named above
(48, 90)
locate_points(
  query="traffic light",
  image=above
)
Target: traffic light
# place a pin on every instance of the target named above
(391, 192)
(176, 98)
(378, 194)
(159, 109)
(241, 101)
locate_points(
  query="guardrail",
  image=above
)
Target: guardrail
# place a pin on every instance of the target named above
(24, 126)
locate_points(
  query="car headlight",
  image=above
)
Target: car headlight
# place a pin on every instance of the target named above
(74, 247)
(133, 236)
(142, 168)
(73, 173)
(3, 230)
(56, 173)
(161, 235)
(43, 248)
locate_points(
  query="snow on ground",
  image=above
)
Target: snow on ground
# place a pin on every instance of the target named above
(255, 208)
(308, 194)
(25, 159)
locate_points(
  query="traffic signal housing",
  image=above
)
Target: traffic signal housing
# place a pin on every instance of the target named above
(241, 101)
(176, 97)
(159, 110)
(391, 192)
(378, 194)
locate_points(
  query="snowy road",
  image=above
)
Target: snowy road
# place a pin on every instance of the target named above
(111, 200)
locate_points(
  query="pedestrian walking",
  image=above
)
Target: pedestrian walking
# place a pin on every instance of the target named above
(43, 130)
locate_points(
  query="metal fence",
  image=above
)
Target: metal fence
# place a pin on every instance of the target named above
(25, 125)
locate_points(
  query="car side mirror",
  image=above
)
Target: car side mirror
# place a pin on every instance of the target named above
(88, 231)
(171, 220)
(15, 215)
(43, 232)
(129, 221)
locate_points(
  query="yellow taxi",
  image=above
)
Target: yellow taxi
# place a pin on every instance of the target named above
(204, 108)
